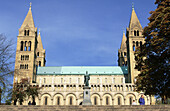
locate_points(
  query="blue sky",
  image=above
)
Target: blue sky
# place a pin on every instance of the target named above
(76, 32)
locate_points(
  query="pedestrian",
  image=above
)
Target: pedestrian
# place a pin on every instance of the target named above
(134, 103)
(33, 103)
(141, 100)
(29, 103)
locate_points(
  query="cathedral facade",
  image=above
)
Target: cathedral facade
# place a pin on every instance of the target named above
(63, 85)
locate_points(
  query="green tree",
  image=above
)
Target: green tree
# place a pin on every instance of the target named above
(6, 64)
(153, 58)
(24, 90)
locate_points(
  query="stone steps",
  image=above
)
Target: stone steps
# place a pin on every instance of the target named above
(85, 108)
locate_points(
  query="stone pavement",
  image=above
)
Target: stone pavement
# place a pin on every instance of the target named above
(85, 108)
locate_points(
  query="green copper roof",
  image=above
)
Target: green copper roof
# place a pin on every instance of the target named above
(81, 70)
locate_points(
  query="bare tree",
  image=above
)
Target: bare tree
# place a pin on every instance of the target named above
(7, 54)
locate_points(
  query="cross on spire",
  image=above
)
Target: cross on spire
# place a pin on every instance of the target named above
(132, 6)
(30, 5)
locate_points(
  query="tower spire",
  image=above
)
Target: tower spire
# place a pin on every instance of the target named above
(39, 31)
(28, 19)
(123, 44)
(134, 21)
(40, 46)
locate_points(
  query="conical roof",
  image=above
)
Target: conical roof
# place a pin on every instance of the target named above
(28, 20)
(134, 21)
(123, 44)
(40, 46)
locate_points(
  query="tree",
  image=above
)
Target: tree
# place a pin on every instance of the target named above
(24, 90)
(6, 63)
(153, 58)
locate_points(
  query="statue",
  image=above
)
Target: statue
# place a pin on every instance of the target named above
(86, 79)
(86, 92)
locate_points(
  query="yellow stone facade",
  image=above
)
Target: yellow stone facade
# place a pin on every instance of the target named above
(68, 89)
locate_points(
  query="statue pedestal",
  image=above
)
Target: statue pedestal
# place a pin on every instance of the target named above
(86, 96)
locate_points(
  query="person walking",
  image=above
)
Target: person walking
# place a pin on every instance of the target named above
(134, 103)
(29, 103)
(141, 100)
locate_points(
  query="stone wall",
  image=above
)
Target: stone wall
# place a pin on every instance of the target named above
(86, 108)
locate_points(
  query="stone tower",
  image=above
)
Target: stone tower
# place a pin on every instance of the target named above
(134, 39)
(40, 52)
(122, 52)
(29, 51)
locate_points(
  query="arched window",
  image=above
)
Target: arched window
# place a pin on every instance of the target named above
(25, 32)
(61, 80)
(37, 54)
(71, 100)
(25, 46)
(21, 45)
(121, 54)
(21, 66)
(113, 80)
(118, 101)
(130, 100)
(122, 80)
(137, 32)
(140, 43)
(46, 101)
(105, 80)
(27, 57)
(97, 80)
(78, 80)
(58, 100)
(95, 100)
(44, 80)
(28, 32)
(134, 32)
(22, 57)
(124, 54)
(137, 44)
(26, 66)
(29, 47)
(107, 100)
(133, 47)
(70, 80)
(39, 63)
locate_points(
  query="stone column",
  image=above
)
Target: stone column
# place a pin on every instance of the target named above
(137, 101)
(124, 101)
(40, 81)
(101, 101)
(52, 83)
(51, 101)
(77, 102)
(112, 101)
(39, 101)
(64, 101)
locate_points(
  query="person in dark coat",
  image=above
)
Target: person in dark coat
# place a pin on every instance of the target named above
(33, 103)
(141, 100)
(29, 103)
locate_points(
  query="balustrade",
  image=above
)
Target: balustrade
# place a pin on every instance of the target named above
(94, 87)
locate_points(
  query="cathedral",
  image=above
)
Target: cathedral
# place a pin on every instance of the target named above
(63, 85)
